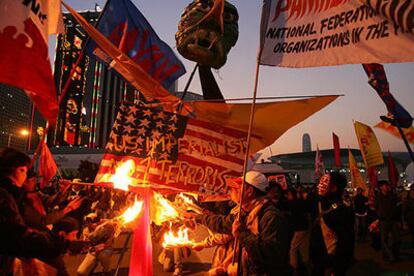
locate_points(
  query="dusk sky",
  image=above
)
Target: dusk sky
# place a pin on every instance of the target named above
(236, 78)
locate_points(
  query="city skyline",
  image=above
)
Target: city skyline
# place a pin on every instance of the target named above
(360, 102)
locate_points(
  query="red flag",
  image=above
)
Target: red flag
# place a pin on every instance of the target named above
(24, 57)
(48, 168)
(393, 174)
(373, 176)
(319, 166)
(337, 150)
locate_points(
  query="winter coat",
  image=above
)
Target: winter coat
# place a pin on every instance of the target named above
(17, 239)
(264, 238)
(332, 239)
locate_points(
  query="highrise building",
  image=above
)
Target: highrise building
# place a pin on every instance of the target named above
(15, 110)
(88, 108)
(306, 143)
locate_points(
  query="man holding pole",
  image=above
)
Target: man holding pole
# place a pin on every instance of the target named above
(262, 230)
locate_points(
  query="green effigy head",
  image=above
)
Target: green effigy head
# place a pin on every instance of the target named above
(204, 42)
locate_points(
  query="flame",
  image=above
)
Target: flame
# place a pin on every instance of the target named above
(163, 210)
(179, 239)
(131, 213)
(185, 198)
(187, 203)
(122, 178)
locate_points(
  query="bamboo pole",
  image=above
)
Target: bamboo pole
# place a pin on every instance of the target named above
(246, 158)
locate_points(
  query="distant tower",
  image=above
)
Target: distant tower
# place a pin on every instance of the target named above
(306, 143)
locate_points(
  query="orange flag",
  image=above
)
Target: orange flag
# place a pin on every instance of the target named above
(48, 168)
(368, 143)
(356, 177)
(409, 132)
(271, 120)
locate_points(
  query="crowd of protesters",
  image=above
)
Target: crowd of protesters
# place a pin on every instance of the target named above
(37, 227)
(291, 231)
(304, 232)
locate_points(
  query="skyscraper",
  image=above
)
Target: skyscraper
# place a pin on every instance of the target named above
(88, 108)
(306, 143)
(15, 109)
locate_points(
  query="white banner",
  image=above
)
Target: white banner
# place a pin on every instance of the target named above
(309, 33)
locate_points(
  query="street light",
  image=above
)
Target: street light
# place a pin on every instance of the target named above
(23, 133)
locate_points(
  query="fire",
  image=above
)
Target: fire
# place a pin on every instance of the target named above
(187, 203)
(185, 198)
(132, 212)
(179, 239)
(122, 177)
(162, 210)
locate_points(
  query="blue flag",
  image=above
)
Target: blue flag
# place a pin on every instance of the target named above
(378, 81)
(127, 28)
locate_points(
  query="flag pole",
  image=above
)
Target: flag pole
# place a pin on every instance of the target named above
(187, 85)
(410, 152)
(246, 158)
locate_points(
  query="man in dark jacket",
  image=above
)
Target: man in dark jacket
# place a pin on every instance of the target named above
(360, 208)
(390, 221)
(262, 230)
(16, 239)
(332, 238)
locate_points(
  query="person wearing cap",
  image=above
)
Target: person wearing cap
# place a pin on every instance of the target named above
(16, 238)
(262, 230)
(408, 212)
(389, 214)
(333, 236)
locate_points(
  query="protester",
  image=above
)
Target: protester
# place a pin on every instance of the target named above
(300, 210)
(262, 230)
(223, 254)
(17, 239)
(332, 238)
(408, 212)
(360, 209)
(223, 243)
(34, 212)
(390, 221)
(373, 226)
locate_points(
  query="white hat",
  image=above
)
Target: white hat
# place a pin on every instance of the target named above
(257, 180)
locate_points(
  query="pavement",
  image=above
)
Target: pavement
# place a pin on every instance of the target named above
(369, 262)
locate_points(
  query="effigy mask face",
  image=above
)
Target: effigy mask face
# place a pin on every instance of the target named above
(203, 42)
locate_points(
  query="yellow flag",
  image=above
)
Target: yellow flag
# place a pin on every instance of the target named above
(356, 177)
(271, 120)
(370, 149)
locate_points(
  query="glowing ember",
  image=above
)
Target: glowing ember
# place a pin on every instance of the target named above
(131, 213)
(122, 177)
(162, 210)
(179, 239)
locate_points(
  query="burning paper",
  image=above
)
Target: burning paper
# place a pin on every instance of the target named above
(186, 203)
(111, 228)
(178, 239)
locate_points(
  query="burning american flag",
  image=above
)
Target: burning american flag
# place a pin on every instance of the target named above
(171, 152)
